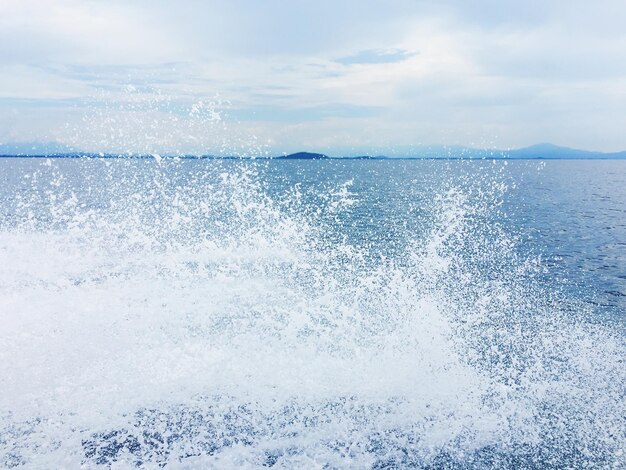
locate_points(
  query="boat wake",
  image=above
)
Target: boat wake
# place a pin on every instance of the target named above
(181, 313)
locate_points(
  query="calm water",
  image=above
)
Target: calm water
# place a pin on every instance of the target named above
(319, 314)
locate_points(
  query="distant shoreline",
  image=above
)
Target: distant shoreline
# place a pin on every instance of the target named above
(283, 158)
(544, 151)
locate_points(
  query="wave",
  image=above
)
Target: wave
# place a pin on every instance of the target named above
(185, 314)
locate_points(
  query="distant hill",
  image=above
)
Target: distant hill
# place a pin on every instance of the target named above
(540, 151)
(36, 148)
(551, 151)
(304, 156)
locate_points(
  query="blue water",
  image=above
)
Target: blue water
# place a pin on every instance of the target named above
(317, 314)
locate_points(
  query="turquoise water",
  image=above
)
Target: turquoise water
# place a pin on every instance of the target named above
(319, 314)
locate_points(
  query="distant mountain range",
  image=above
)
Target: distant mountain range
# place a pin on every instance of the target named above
(304, 156)
(539, 151)
(555, 152)
(35, 149)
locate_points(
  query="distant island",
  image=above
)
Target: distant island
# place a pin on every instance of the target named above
(431, 152)
(304, 156)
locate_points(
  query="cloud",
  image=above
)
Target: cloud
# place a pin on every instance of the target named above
(376, 57)
(302, 114)
(404, 71)
(87, 32)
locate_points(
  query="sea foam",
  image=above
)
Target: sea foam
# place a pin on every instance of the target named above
(180, 313)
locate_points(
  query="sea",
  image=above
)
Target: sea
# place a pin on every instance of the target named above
(321, 314)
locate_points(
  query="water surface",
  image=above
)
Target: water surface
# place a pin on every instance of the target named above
(322, 314)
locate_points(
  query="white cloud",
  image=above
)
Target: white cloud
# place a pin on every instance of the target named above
(500, 72)
(74, 31)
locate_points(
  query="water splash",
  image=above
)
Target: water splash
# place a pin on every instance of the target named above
(181, 313)
(145, 120)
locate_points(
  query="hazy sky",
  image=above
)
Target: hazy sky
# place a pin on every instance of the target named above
(336, 76)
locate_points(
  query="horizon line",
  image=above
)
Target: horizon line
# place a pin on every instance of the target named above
(419, 151)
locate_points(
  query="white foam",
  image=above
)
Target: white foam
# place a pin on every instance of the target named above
(204, 295)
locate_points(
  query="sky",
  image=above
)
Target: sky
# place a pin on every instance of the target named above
(339, 77)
